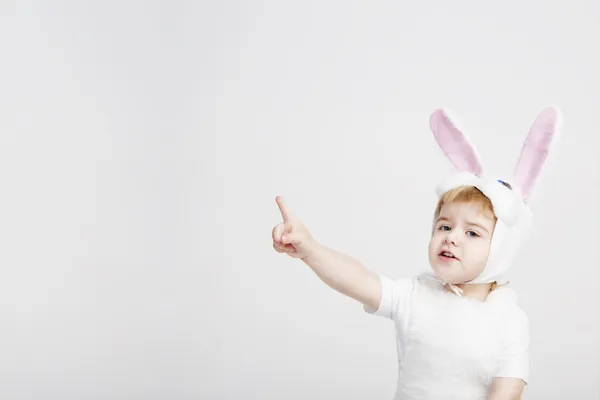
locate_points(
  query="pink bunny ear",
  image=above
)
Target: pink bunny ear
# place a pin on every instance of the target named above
(535, 150)
(455, 143)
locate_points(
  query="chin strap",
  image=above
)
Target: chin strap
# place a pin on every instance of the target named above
(457, 291)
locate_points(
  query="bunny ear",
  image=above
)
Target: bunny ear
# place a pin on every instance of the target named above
(455, 143)
(542, 133)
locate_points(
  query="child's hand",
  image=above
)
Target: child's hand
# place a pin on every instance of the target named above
(291, 236)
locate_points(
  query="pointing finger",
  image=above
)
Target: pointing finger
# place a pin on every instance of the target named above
(285, 211)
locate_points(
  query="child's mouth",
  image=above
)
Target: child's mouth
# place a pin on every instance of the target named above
(447, 256)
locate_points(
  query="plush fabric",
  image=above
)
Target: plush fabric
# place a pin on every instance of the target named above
(510, 204)
(452, 347)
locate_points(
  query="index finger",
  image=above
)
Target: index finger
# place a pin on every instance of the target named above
(285, 211)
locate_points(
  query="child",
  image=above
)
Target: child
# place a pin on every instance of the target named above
(460, 333)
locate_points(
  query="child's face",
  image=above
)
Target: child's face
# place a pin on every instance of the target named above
(466, 232)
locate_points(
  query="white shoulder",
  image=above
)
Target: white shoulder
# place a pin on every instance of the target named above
(514, 358)
(514, 323)
(396, 296)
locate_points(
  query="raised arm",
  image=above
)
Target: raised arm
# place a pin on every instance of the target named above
(337, 270)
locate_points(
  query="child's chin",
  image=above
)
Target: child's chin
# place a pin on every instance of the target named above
(444, 274)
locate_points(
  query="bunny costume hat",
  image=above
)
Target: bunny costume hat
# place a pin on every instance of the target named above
(509, 196)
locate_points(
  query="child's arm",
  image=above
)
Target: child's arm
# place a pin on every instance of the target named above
(339, 271)
(346, 275)
(506, 389)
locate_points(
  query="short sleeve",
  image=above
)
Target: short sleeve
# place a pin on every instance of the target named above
(395, 297)
(514, 359)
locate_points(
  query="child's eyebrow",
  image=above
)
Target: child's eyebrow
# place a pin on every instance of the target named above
(478, 225)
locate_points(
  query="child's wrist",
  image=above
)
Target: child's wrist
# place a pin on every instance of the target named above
(312, 250)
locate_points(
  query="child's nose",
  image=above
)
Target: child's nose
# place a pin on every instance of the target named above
(450, 238)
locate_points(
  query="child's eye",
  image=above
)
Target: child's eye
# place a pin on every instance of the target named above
(472, 234)
(444, 228)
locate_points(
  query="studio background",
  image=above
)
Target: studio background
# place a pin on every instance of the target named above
(144, 143)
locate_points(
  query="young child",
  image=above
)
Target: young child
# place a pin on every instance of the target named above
(459, 331)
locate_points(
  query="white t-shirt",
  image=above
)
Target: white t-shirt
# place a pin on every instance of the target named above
(451, 347)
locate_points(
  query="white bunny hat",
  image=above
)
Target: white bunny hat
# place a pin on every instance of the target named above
(509, 197)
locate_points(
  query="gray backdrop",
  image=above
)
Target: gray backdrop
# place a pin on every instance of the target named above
(143, 144)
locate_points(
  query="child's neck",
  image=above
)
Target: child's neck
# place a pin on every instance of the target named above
(477, 291)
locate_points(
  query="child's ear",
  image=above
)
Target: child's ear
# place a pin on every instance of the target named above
(542, 135)
(454, 142)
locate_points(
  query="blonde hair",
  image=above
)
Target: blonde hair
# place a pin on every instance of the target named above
(467, 194)
(470, 195)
